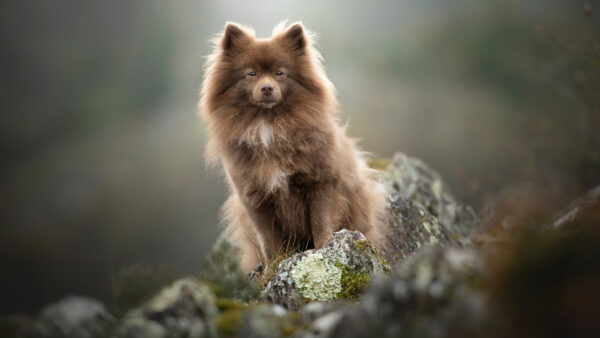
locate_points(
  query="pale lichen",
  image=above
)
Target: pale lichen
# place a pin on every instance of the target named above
(317, 278)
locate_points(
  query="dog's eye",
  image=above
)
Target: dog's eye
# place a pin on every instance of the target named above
(252, 74)
(279, 73)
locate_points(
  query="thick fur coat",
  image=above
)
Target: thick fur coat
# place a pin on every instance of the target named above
(295, 176)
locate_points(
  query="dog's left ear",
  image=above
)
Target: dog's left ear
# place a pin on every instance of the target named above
(295, 38)
(234, 38)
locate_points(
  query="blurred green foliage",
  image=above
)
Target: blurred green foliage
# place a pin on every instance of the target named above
(137, 284)
(221, 269)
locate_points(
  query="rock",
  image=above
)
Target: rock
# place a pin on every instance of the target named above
(315, 310)
(411, 228)
(72, 316)
(315, 319)
(429, 294)
(77, 316)
(186, 308)
(269, 320)
(342, 268)
(263, 322)
(433, 272)
(585, 207)
(323, 325)
(413, 180)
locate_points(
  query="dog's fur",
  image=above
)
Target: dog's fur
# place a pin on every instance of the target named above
(295, 177)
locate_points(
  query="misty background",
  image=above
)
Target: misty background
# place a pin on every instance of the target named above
(102, 149)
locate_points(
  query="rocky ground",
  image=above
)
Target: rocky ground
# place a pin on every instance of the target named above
(445, 275)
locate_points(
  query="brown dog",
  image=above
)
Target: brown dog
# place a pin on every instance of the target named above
(295, 177)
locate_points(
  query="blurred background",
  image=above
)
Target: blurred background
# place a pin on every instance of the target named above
(102, 165)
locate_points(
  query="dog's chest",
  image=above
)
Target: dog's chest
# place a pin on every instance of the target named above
(258, 135)
(275, 158)
(263, 144)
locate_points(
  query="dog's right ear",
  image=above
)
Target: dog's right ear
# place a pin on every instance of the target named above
(296, 38)
(234, 37)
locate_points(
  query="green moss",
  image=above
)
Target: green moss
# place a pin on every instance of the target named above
(362, 244)
(225, 304)
(292, 323)
(353, 282)
(136, 284)
(379, 163)
(212, 286)
(228, 323)
(366, 245)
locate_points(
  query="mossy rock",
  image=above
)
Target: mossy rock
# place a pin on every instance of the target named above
(341, 269)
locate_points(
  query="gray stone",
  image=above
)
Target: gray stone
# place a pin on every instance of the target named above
(429, 294)
(186, 308)
(411, 228)
(72, 316)
(411, 179)
(264, 321)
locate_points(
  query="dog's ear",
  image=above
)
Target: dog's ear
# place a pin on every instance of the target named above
(295, 38)
(233, 38)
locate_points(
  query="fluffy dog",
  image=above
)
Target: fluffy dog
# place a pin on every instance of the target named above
(295, 176)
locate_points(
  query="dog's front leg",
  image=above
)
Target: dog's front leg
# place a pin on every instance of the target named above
(322, 213)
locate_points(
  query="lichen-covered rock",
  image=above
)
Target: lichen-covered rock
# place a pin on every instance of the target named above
(411, 228)
(72, 316)
(430, 293)
(341, 269)
(413, 180)
(186, 308)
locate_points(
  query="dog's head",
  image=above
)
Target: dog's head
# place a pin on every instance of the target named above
(265, 73)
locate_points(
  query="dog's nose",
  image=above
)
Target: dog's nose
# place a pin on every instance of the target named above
(266, 89)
